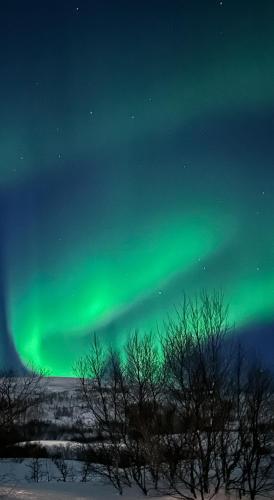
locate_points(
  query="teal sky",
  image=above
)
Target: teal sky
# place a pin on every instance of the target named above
(136, 164)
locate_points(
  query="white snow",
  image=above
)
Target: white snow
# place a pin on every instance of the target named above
(16, 485)
(61, 407)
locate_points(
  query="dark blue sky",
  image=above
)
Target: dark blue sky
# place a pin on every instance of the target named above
(136, 164)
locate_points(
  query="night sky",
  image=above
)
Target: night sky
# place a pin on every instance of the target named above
(136, 164)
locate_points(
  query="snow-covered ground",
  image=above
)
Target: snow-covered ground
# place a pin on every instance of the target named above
(62, 491)
(68, 449)
(79, 491)
(16, 482)
(64, 411)
(62, 405)
(59, 384)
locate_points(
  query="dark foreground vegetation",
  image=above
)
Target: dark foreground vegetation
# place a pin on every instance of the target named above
(185, 413)
(189, 415)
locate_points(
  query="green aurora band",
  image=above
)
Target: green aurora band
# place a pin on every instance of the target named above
(134, 169)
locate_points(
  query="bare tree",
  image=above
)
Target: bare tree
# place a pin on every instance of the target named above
(188, 418)
(230, 445)
(125, 401)
(102, 388)
(64, 467)
(198, 367)
(18, 396)
(256, 433)
(145, 379)
(35, 467)
(86, 471)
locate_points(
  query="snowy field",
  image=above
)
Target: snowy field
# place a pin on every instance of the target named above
(15, 477)
(16, 484)
(62, 405)
(63, 410)
(62, 491)
(59, 384)
(78, 491)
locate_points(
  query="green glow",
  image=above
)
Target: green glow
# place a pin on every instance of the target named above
(136, 165)
(106, 285)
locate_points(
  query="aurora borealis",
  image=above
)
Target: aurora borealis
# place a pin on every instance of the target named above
(137, 163)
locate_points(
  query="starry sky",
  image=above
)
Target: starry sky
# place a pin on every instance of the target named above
(136, 164)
